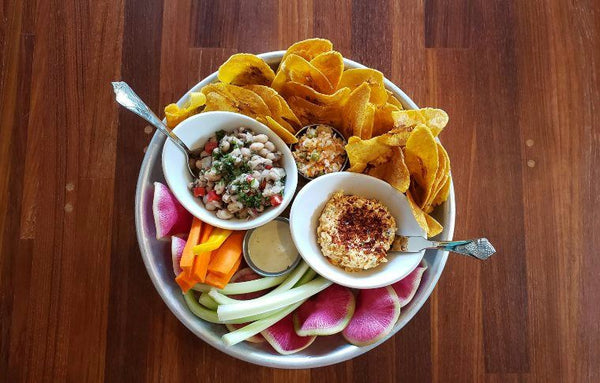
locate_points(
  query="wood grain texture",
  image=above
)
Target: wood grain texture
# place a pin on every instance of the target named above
(520, 81)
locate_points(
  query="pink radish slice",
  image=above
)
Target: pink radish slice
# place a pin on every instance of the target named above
(377, 311)
(243, 275)
(407, 287)
(283, 338)
(170, 217)
(327, 314)
(177, 245)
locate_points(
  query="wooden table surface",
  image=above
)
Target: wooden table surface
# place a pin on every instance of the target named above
(519, 79)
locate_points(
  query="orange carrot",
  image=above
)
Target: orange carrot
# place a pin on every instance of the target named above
(187, 257)
(220, 281)
(227, 255)
(185, 282)
(201, 262)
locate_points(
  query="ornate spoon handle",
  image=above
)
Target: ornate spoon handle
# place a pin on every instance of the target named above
(479, 248)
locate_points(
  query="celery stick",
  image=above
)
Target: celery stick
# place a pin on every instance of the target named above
(199, 311)
(206, 301)
(307, 277)
(269, 303)
(244, 287)
(254, 328)
(291, 280)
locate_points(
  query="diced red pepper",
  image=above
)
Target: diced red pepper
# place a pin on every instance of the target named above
(276, 200)
(212, 196)
(210, 146)
(199, 191)
(269, 167)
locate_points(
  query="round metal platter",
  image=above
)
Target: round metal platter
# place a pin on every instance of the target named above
(325, 350)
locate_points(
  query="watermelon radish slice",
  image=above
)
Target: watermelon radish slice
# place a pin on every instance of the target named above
(177, 245)
(407, 287)
(244, 275)
(170, 217)
(284, 339)
(327, 314)
(377, 311)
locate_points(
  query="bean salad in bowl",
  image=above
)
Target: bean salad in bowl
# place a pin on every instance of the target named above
(239, 174)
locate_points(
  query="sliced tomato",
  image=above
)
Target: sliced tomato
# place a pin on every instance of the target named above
(269, 167)
(276, 200)
(199, 191)
(212, 196)
(210, 146)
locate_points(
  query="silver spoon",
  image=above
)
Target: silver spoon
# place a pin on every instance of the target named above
(479, 248)
(127, 98)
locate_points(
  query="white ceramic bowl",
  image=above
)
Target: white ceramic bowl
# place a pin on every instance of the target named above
(304, 220)
(194, 132)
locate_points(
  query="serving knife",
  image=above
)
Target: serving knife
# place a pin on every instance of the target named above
(479, 248)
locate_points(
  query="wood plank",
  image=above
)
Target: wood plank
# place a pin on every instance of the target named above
(129, 346)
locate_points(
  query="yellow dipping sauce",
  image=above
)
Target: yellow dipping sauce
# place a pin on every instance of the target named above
(271, 248)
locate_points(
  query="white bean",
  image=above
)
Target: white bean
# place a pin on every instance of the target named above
(257, 146)
(224, 214)
(262, 138)
(270, 156)
(224, 146)
(264, 152)
(269, 146)
(235, 207)
(245, 152)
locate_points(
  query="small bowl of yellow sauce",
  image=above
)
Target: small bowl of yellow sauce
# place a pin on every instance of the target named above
(269, 249)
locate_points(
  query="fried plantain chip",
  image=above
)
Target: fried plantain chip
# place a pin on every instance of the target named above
(331, 64)
(293, 88)
(309, 113)
(309, 49)
(362, 152)
(220, 96)
(359, 113)
(282, 132)
(444, 192)
(433, 226)
(246, 69)
(279, 108)
(417, 212)
(393, 170)
(393, 100)
(440, 176)
(353, 78)
(434, 119)
(422, 159)
(296, 68)
(383, 121)
(175, 114)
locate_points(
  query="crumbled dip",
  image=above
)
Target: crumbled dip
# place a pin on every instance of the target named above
(354, 232)
(239, 174)
(319, 151)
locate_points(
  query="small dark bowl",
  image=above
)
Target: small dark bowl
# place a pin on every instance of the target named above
(336, 132)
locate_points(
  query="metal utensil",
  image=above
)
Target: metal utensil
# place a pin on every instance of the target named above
(127, 98)
(479, 248)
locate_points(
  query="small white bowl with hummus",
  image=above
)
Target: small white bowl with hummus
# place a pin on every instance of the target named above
(343, 225)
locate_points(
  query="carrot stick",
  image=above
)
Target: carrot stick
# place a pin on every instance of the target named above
(187, 257)
(201, 262)
(220, 281)
(227, 255)
(185, 282)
